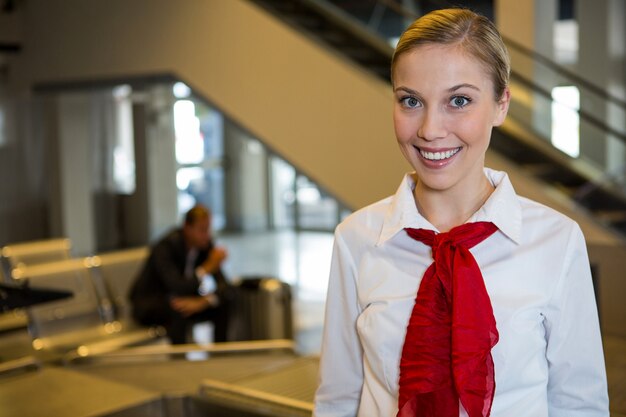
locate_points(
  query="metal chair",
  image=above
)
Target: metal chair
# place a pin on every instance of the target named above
(27, 253)
(34, 252)
(66, 323)
(79, 325)
(114, 273)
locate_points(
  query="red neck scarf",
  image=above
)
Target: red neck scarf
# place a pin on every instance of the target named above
(447, 350)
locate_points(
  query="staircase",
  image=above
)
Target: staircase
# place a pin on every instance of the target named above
(334, 27)
(592, 192)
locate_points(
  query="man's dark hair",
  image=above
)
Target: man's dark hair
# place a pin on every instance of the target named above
(196, 213)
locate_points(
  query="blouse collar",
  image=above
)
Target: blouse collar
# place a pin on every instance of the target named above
(501, 208)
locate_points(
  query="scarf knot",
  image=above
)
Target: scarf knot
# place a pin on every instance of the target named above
(442, 239)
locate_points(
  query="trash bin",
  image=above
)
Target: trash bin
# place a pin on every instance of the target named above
(262, 309)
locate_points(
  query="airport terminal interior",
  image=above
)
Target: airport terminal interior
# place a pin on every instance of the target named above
(118, 116)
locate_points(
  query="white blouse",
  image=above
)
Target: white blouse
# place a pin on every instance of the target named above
(549, 359)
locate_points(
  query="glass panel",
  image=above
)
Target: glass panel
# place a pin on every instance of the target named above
(189, 144)
(212, 131)
(187, 180)
(294, 200)
(124, 148)
(199, 153)
(181, 90)
(315, 209)
(282, 186)
(565, 120)
(210, 191)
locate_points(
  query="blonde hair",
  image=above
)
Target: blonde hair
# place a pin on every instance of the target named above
(474, 33)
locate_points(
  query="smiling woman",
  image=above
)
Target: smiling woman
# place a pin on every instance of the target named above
(443, 116)
(455, 296)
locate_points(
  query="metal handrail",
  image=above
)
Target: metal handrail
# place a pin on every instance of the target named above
(566, 73)
(339, 16)
(236, 393)
(526, 82)
(147, 351)
(23, 363)
(592, 120)
(534, 55)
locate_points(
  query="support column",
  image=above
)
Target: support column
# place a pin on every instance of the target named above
(152, 208)
(601, 60)
(531, 24)
(593, 65)
(136, 226)
(74, 170)
(616, 86)
(245, 181)
(160, 158)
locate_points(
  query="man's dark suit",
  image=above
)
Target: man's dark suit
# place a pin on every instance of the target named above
(163, 277)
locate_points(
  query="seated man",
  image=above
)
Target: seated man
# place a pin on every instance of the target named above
(166, 292)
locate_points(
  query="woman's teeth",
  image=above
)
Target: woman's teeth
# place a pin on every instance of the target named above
(437, 156)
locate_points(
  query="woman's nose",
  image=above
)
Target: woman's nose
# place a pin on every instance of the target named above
(432, 125)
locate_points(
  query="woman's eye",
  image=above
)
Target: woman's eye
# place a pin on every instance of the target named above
(410, 102)
(460, 101)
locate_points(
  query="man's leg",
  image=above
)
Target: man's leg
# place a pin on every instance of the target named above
(151, 311)
(219, 317)
(177, 328)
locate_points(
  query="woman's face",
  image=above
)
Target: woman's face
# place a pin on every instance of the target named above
(443, 115)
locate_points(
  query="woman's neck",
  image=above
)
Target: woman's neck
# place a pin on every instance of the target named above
(448, 209)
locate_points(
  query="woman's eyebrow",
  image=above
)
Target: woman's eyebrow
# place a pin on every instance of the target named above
(450, 90)
(406, 90)
(459, 86)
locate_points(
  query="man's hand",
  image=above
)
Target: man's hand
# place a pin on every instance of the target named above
(214, 260)
(191, 305)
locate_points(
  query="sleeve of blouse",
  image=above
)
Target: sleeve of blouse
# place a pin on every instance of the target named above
(341, 369)
(577, 377)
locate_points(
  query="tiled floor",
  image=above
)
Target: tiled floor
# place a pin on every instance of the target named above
(303, 261)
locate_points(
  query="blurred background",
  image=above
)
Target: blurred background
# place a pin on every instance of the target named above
(118, 116)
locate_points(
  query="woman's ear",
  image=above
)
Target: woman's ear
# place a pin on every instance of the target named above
(502, 107)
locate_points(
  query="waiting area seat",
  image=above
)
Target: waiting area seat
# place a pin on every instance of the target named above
(13, 324)
(33, 252)
(67, 323)
(113, 273)
(13, 320)
(89, 322)
(116, 271)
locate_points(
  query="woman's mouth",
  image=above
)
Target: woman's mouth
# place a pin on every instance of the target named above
(439, 155)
